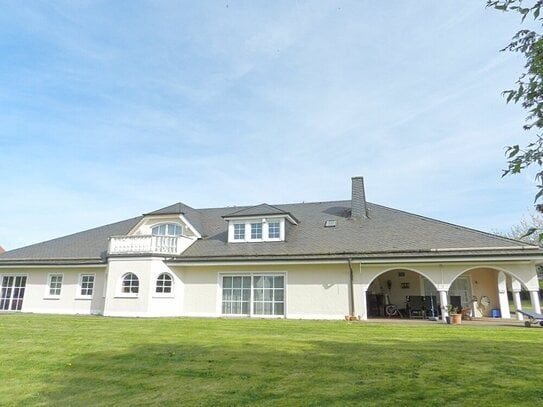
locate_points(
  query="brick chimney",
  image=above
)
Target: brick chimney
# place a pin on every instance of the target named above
(359, 208)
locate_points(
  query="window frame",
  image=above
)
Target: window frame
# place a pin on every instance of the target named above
(80, 288)
(167, 225)
(248, 232)
(48, 288)
(237, 235)
(172, 286)
(273, 222)
(130, 294)
(252, 296)
(256, 230)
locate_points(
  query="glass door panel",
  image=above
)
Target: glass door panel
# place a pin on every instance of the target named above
(12, 293)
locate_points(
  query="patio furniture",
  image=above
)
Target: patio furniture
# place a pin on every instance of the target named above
(533, 318)
(415, 305)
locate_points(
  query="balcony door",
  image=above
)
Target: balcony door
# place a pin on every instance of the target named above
(12, 293)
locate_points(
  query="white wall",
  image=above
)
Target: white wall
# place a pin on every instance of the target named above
(146, 303)
(37, 300)
(312, 292)
(318, 292)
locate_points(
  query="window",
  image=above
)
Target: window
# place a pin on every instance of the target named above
(256, 230)
(130, 284)
(167, 229)
(164, 284)
(86, 285)
(12, 293)
(239, 231)
(269, 296)
(166, 237)
(274, 230)
(236, 295)
(55, 284)
(253, 295)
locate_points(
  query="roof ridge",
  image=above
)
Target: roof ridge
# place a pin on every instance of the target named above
(276, 206)
(178, 205)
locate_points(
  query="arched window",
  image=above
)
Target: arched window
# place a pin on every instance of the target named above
(131, 284)
(164, 284)
(167, 229)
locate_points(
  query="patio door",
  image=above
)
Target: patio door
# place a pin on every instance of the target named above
(12, 293)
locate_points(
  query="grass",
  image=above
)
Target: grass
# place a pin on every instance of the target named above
(84, 361)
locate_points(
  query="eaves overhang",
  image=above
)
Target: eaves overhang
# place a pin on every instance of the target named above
(53, 262)
(373, 257)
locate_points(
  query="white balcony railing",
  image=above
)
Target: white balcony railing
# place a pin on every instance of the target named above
(141, 244)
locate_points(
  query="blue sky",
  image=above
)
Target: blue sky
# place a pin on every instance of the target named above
(113, 109)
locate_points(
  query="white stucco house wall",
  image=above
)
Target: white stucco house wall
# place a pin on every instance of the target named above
(320, 260)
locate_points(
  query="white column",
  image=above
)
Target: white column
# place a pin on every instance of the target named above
(443, 302)
(534, 296)
(364, 303)
(502, 295)
(516, 298)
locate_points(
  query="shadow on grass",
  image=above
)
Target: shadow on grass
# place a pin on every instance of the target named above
(315, 373)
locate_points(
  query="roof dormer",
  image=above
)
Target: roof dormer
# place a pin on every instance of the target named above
(169, 230)
(261, 223)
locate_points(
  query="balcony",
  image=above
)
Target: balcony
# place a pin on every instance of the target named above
(147, 244)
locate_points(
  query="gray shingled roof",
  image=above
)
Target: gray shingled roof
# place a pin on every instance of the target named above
(192, 215)
(258, 210)
(88, 246)
(386, 233)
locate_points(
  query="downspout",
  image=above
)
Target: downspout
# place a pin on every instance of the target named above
(351, 288)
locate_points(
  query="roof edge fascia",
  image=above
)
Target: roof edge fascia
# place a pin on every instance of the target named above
(55, 263)
(342, 259)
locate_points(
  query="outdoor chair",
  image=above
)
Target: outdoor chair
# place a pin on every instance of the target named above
(415, 306)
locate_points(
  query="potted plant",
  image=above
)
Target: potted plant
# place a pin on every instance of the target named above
(454, 316)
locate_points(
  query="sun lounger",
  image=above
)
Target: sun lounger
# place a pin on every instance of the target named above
(533, 318)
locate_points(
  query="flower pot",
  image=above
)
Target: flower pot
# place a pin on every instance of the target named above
(456, 319)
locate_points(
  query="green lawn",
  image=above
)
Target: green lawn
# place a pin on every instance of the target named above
(88, 361)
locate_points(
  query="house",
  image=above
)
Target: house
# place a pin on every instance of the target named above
(319, 260)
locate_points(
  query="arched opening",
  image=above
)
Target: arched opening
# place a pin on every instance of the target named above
(404, 293)
(489, 292)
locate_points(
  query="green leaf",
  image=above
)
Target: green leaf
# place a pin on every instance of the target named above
(513, 151)
(530, 232)
(538, 195)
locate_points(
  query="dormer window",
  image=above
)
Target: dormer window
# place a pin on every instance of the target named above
(274, 230)
(256, 231)
(167, 229)
(261, 223)
(239, 231)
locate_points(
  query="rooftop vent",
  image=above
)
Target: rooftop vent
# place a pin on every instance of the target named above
(331, 223)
